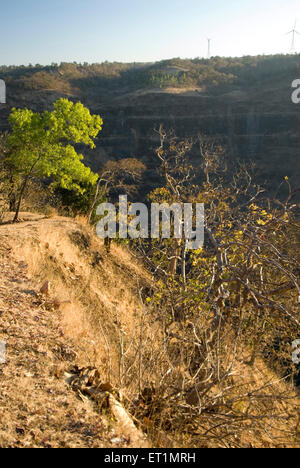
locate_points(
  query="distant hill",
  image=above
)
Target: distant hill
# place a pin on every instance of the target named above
(245, 103)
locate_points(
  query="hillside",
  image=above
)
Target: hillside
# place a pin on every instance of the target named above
(243, 103)
(147, 342)
(92, 318)
(48, 339)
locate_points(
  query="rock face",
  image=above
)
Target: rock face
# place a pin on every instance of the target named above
(248, 132)
(257, 124)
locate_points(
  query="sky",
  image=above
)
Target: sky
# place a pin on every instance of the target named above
(43, 31)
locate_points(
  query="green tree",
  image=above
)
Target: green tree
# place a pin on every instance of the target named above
(42, 145)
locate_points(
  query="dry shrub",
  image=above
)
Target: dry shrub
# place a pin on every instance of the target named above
(4, 208)
(195, 386)
(40, 198)
(222, 313)
(186, 382)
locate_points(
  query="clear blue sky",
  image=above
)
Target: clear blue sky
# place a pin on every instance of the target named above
(45, 31)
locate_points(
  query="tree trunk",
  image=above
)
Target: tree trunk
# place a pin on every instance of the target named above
(94, 203)
(175, 256)
(183, 264)
(23, 187)
(16, 218)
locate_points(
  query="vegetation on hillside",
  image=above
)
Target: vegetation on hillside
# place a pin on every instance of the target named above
(198, 72)
(39, 146)
(229, 304)
(211, 318)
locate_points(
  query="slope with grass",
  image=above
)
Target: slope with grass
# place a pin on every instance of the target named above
(47, 336)
(93, 319)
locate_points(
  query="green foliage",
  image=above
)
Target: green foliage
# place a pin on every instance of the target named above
(41, 145)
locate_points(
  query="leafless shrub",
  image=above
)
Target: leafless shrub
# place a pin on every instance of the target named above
(215, 348)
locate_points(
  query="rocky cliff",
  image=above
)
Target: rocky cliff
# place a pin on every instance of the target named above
(254, 119)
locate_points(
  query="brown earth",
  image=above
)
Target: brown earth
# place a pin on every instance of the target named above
(93, 303)
(47, 336)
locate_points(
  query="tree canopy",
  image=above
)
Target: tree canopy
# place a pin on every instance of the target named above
(42, 145)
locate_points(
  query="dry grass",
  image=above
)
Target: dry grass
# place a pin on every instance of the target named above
(251, 407)
(36, 407)
(101, 290)
(101, 322)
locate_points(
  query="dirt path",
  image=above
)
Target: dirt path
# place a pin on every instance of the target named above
(37, 408)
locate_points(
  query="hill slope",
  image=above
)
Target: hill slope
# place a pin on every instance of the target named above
(46, 337)
(91, 319)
